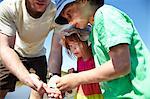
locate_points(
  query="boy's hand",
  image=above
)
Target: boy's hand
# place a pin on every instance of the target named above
(68, 82)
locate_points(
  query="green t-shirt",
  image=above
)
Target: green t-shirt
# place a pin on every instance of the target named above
(112, 27)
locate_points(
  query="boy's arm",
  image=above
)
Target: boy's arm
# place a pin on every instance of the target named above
(118, 65)
(55, 58)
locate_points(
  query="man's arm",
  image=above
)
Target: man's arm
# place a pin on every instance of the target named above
(10, 58)
(55, 58)
(13, 63)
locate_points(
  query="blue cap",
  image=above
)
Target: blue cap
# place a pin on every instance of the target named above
(60, 4)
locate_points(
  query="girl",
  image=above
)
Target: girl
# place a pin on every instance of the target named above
(75, 45)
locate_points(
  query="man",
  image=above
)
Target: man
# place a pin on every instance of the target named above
(24, 25)
(121, 57)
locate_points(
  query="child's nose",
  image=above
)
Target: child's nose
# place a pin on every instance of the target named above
(74, 23)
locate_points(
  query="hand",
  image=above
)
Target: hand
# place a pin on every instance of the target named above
(68, 82)
(53, 91)
(53, 80)
(35, 83)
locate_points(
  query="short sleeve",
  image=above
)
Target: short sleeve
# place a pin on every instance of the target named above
(115, 27)
(7, 25)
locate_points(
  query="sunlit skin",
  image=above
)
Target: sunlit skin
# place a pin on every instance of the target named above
(80, 49)
(75, 49)
(36, 7)
(75, 16)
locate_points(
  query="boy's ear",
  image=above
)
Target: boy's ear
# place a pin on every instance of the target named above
(84, 2)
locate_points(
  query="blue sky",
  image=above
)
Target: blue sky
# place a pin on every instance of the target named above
(138, 10)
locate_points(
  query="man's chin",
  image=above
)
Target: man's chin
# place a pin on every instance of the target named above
(40, 8)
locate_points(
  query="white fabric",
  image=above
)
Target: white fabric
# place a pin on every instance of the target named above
(30, 32)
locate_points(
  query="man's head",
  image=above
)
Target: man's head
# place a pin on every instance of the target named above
(36, 6)
(76, 12)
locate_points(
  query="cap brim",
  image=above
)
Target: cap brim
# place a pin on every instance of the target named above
(83, 34)
(61, 20)
(60, 6)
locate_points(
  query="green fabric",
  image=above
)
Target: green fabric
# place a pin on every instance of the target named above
(112, 27)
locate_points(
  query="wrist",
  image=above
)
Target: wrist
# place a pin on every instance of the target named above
(79, 78)
(52, 74)
(26, 80)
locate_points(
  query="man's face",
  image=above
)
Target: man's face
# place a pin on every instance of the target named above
(75, 16)
(38, 5)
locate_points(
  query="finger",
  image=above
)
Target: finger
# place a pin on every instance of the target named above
(40, 85)
(62, 89)
(59, 84)
(63, 94)
(33, 87)
(41, 92)
(56, 95)
(60, 97)
(50, 96)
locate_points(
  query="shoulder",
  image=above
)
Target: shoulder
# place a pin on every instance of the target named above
(106, 11)
(111, 15)
(109, 11)
(9, 7)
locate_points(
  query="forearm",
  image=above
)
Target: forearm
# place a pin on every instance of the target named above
(55, 58)
(105, 72)
(13, 63)
(54, 64)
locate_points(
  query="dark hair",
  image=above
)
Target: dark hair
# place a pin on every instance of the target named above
(98, 3)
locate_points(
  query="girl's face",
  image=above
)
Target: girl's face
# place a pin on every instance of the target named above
(75, 15)
(75, 48)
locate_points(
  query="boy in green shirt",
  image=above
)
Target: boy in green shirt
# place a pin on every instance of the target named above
(121, 57)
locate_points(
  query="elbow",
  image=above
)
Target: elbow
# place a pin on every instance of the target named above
(123, 69)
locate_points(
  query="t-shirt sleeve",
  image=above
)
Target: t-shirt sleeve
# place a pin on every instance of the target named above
(117, 28)
(7, 25)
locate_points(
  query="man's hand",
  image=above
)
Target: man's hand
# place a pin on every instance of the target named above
(68, 82)
(35, 83)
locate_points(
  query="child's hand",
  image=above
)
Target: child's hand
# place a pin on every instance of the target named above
(52, 81)
(54, 92)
